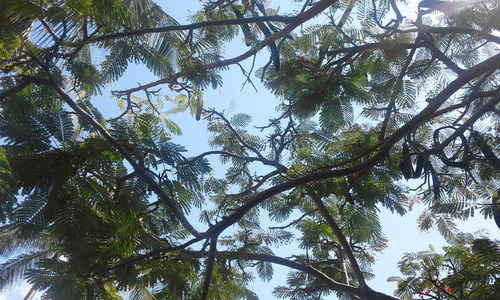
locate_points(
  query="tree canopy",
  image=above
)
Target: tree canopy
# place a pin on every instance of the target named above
(465, 271)
(368, 96)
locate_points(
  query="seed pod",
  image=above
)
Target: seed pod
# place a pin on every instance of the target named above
(487, 151)
(199, 106)
(436, 185)
(405, 163)
(275, 53)
(495, 199)
(419, 167)
(247, 33)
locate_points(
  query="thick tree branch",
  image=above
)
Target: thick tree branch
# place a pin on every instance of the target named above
(389, 110)
(209, 268)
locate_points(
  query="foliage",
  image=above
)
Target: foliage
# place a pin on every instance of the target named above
(469, 269)
(93, 206)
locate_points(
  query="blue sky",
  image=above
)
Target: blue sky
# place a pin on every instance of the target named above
(401, 232)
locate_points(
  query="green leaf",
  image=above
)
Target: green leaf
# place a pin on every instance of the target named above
(173, 127)
(265, 271)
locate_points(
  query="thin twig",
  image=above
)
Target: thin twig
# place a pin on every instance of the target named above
(294, 221)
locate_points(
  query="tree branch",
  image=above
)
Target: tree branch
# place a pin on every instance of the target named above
(444, 59)
(451, 30)
(294, 221)
(334, 285)
(209, 268)
(471, 98)
(218, 152)
(379, 45)
(488, 106)
(260, 157)
(198, 25)
(139, 170)
(316, 9)
(338, 233)
(26, 81)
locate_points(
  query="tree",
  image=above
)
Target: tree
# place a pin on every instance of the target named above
(468, 270)
(97, 206)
